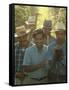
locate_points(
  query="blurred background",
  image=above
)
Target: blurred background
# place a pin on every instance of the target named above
(32, 17)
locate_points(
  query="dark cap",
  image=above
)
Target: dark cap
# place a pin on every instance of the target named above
(47, 24)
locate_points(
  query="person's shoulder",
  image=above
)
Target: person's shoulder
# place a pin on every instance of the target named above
(53, 44)
(45, 46)
(30, 48)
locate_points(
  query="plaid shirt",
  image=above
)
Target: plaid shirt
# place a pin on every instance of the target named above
(19, 55)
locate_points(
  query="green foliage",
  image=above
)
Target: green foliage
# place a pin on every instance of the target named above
(21, 15)
(23, 12)
(57, 14)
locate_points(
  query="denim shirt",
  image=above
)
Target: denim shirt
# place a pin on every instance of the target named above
(33, 57)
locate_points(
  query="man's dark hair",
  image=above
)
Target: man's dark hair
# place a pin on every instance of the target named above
(38, 31)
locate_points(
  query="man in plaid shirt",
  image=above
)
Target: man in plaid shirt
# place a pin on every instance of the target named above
(20, 47)
(19, 54)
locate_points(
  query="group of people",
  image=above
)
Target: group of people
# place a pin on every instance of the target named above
(43, 59)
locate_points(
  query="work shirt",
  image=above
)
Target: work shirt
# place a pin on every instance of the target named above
(49, 40)
(33, 57)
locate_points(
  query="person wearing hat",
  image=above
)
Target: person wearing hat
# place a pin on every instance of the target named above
(34, 62)
(20, 47)
(20, 29)
(57, 55)
(31, 24)
(47, 27)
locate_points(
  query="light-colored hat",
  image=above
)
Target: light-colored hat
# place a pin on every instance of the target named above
(22, 33)
(31, 20)
(60, 26)
(20, 29)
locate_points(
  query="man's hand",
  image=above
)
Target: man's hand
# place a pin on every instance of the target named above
(42, 64)
(45, 62)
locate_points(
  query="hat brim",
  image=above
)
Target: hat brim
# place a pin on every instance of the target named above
(52, 31)
(30, 23)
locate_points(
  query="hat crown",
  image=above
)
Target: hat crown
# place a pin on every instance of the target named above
(47, 23)
(60, 25)
(31, 19)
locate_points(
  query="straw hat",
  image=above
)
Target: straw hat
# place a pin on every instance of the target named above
(31, 20)
(60, 26)
(20, 34)
(20, 29)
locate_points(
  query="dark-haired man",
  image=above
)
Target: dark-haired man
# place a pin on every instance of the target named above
(34, 62)
(20, 47)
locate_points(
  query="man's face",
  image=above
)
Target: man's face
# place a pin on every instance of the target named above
(23, 39)
(39, 40)
(46, 30)
(60, 35)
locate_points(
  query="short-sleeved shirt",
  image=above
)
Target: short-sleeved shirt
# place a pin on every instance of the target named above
(33, 57)
(61, 65)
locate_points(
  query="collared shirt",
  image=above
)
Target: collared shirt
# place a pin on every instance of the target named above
(33, 57)
(19, 55)
(60, 65)
(49, 40)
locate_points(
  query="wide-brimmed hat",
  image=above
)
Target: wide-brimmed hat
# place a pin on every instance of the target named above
(20, 34)
(60, 26)
(20, 29)
(23, 33)
(31, 20)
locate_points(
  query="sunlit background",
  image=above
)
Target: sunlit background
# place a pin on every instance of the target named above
(37, 14)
